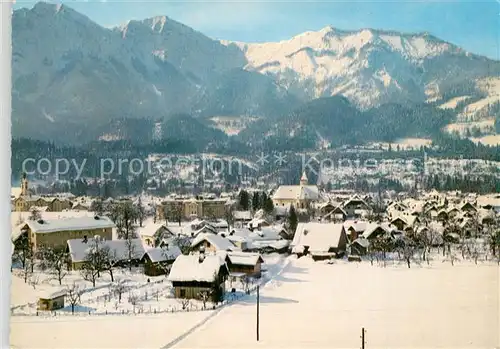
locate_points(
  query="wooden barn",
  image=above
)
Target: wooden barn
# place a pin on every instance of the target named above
(191, 275)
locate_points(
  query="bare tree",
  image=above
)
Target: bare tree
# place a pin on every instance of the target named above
(119, 288)
(131, 249)
(494, 242)
(156, 294)
(89, 273)
(34, 280)
(56, 260)
(451, 256)
(27, 270)
(94, 261)
(246, 283)
(408, 251)
(184, 302)
(35, 214)
(133, 299)
(123, 215)
(108, 260)
(140, 211)
(73, 294)
(205, 297)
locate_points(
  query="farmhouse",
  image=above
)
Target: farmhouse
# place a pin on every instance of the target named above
(244, 263)
(55, 233)
(193, 274)
(122, 251)
(156, 260)
(212, 243)
(356, 207)
(321, 240)
(359, 247)
(242, 216)
(152, 233)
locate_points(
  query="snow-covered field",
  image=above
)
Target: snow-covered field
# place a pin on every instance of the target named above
(159, 311)
(488, 140)
(309, 305)
(486, 125)
(316, 305)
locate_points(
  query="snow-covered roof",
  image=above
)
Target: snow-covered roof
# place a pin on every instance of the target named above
(194, 268)
(51, 294)
(274, 244)
(318, 236)
(150, 228)
(356, 200)
(70, 224)
(297, 192)
(372, 227)
(219, 242)
(242, 215)
(245, 258)
(78, 249)
(162, 254)
(358, 226)
(362, 242)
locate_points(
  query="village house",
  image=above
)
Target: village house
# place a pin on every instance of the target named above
(336, 215)
(212, 243)
(242, 216)
(320, 240)
(122, 251)
(356, 207)
(359, 247)
(79, 207)
(157, 260)
(152, 233)
(300, 196)
(193, 274)
(56, 232)
(180, 209)
(244, 264)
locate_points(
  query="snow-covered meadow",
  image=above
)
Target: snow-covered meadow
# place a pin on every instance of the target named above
(101, 304)
(309, 304)
(320, 305)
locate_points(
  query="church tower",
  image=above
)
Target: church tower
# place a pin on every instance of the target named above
(24, 185)
(303, 179)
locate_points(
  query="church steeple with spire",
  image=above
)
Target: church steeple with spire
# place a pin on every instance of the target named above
(24, 185)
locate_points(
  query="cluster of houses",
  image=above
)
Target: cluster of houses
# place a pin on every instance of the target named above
(200, 253)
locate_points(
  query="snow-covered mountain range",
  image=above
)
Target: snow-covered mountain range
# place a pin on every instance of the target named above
(369, 67)
(69, 72)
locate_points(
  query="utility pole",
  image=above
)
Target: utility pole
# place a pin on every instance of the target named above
(258, 313)
(362, 338)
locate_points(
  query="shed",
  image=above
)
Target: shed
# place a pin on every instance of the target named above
(51, 300)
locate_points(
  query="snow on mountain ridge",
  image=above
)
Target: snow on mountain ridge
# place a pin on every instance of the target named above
(368, 66)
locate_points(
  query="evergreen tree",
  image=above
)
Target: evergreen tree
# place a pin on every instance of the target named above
(268, 204)
(255, 201)
(292, 220)
(244, 199)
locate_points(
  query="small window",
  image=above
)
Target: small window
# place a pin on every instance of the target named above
(183, 293)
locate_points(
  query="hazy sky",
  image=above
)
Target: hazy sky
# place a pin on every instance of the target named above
(473, 25)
